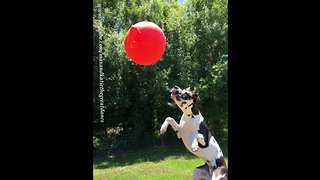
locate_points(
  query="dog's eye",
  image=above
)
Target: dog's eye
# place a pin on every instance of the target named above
(185, 96)
(184, 102)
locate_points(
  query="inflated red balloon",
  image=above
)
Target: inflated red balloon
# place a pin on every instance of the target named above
(145, 43)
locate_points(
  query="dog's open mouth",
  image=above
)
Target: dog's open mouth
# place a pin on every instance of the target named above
(173, 96)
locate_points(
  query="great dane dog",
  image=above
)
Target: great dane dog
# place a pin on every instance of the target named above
(196, 136)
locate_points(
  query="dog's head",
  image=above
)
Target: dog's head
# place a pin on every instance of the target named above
(184, 98)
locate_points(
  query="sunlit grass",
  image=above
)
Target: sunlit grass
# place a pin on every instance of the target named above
(162, 163)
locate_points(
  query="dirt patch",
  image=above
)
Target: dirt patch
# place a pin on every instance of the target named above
(160, 170)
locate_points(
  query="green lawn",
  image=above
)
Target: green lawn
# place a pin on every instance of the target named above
(162, 163)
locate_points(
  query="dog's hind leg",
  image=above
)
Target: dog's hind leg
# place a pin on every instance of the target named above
(221, 173)
(201, 173)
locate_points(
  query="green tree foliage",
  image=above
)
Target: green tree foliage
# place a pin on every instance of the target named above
(137, 98)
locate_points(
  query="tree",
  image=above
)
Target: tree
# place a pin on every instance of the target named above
(137, 97)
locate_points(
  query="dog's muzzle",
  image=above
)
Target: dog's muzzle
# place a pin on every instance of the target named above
(175, 92)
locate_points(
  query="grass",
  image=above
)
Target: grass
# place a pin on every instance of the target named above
(157, 163)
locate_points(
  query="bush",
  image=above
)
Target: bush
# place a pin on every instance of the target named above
(137, 97)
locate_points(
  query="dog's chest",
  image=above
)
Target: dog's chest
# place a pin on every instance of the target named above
(185, 132)
(188, 126)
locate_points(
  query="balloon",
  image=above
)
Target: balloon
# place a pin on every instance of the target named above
(145, 43)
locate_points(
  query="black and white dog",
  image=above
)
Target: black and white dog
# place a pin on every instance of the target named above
(196, 136)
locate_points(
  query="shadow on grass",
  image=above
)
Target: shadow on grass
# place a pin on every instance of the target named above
(153, 155)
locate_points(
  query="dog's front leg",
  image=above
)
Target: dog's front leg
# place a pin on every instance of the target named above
(173, 123)
(200, 139)
(194, 142)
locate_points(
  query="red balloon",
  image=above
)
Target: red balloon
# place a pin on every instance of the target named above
(145, 43)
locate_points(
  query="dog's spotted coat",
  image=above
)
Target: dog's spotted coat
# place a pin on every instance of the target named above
(196, 136)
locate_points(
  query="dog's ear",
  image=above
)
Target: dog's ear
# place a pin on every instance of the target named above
(195, 98)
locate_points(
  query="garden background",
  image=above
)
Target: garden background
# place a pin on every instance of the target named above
(137, 98)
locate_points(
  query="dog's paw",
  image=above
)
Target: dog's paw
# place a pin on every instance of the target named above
(195, 147)
(165, 125)
(178, 135)
(200, 139)
(163, 129)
